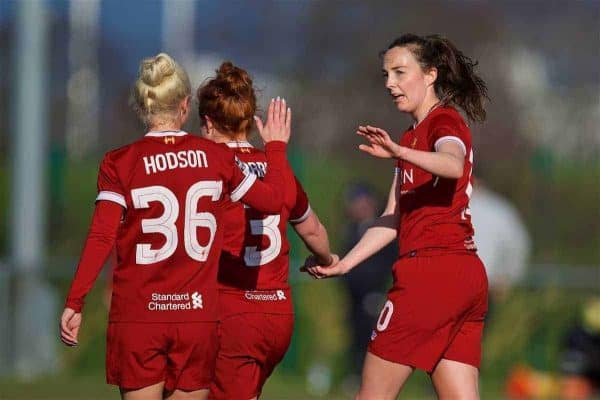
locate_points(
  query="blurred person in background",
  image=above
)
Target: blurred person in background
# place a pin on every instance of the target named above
(160, 200)
(580, 361)
(256, 316)
(502, 241)
(366, 285)
(578, 377)
(434, 316)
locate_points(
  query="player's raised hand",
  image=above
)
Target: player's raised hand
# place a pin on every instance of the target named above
(70, 321)
(317, 271)
(279, 122)
(379, 143)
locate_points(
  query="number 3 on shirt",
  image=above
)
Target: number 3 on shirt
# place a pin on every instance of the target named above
(270, 228)
(165, 224)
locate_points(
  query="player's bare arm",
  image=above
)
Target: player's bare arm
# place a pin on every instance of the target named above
(382, 232)
(446, 162)
(314, 235)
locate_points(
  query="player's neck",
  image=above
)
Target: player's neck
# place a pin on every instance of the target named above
(425, 108)
(164, 127)
(219, 137)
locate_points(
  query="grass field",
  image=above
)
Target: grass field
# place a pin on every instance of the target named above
(278, 388)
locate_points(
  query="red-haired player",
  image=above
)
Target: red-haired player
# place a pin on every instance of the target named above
(434, 313)
(255, 312)
(161, 200)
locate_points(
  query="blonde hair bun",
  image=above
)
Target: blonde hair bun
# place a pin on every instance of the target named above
(155, 69)
(161, 85)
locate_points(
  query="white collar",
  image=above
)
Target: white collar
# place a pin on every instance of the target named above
(165, 133)
(238, 144)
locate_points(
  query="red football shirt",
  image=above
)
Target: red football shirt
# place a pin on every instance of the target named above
(255, 257)
(255, 249)
(434, 211)
(173, 188)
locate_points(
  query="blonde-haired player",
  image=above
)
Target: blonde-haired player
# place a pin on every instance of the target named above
(160, 200)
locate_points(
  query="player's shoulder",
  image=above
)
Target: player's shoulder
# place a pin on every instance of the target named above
(215, 151)
(244, 151)
(206, 143)
(446, 115)
(122, 153)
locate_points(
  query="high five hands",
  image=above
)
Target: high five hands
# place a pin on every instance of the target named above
(380, 144)
(279, 122)
(319, 269)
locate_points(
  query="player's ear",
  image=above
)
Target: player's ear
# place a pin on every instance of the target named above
(209, 124)
(184, 107)
(431, 76)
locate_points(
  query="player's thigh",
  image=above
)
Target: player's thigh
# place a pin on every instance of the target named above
(152, 392)
(250, 346)
(455, 380)
(382, 379)
(184, 395)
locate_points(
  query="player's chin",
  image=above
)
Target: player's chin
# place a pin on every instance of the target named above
(403, 107)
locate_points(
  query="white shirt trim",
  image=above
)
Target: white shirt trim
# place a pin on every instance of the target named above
(166, 133)
(397, 171)
(112, 196)
(235, 145)
(452, 139)
(303, 218)
(243, 187)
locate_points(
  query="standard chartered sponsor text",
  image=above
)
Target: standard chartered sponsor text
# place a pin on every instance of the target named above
(175, 301)
(265, 296)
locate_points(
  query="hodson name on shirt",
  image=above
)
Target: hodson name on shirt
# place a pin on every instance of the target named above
(171, 160)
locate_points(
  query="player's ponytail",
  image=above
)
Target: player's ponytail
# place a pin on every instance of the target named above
(161, 85)
(457, 83)
(228, 100)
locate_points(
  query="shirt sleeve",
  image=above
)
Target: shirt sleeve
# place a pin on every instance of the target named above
(267, 195)
(98, 245)
(448, 128)
(301, 209)
(109, 186)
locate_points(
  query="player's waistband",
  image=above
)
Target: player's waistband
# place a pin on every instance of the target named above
(235, 301)
(435, 251)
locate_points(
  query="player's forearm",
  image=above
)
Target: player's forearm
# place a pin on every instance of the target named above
(314, 235)
(442, 164)
(98, 245)
(267, 195)
(379, 235)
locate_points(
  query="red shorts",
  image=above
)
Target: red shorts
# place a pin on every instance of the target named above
(250, 346)
(435, 309)
(143, 354)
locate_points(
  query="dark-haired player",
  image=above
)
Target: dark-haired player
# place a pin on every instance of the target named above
(434, 313)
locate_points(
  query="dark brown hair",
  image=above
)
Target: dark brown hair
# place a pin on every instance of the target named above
(228, 100)
(457, 83)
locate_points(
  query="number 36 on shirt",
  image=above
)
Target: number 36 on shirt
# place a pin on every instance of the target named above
(165, 224)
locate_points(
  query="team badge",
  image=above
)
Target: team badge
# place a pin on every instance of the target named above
(169, 139)
(414, 143)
